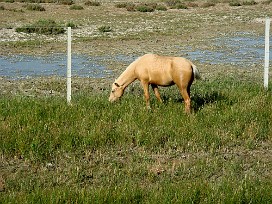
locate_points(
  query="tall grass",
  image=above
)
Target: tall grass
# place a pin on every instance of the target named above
(226, 118)
(98, 152)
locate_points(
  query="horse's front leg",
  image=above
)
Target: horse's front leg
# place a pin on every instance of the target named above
(156, 91)
(146, 93)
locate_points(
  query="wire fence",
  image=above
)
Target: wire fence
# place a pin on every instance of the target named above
(44, 55)
(27, 55)
(32, 54)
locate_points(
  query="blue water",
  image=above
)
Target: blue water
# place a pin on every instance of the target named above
(239, 50)
(244, 50)
(22, 66)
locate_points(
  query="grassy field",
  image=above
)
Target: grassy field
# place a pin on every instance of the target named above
(97, 152)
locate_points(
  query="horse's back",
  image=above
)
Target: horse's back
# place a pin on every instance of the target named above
(162, 70)
(155, 69)
(153, 61)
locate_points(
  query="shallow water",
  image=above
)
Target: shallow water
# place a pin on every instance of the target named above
(243, 50)
(239, 50)
(23, 66)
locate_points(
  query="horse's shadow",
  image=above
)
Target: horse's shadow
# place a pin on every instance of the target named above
(200, 100)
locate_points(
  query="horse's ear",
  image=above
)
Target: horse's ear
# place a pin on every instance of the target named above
(116, 84)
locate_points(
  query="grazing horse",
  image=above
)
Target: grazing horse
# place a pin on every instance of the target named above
(157, 71)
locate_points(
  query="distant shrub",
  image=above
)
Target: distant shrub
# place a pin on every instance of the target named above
(76, 7)
(131, 7)
(175, 4)
(161, 8)
(121, 5)
(2, 8)
(104, 29)
(35, 7)
(144, 8)
(35, 1)
(47, 27)
(181, 6)
(249, 3)
(92, 3)
(9, 1)
(207, 4)
(192, 4)
(235, 3)
(66, 2)
(28, 1)
(267, 2)
(152, 5)
(71, 24)
(172, 3)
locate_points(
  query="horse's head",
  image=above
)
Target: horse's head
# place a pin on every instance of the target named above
(116, 92)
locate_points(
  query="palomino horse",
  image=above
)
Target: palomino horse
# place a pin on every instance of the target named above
(157, 71)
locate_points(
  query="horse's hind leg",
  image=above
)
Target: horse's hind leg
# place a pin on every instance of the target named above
(156, 91)
(186, 98)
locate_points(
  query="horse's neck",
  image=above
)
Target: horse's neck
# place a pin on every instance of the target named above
(127, 77)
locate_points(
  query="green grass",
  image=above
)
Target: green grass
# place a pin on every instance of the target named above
(249, 3)
(235, 3)
(104, 29)
(76, 7)
(42, 26)
(97, 152)
(92, 3)
(65, 2)
(144, 8)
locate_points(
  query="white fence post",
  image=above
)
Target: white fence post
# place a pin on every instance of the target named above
(69, 65)
(266, 56)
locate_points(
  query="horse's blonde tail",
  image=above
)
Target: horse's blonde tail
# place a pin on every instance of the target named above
(196, 72)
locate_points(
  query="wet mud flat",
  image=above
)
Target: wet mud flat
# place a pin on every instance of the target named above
(51, 86)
